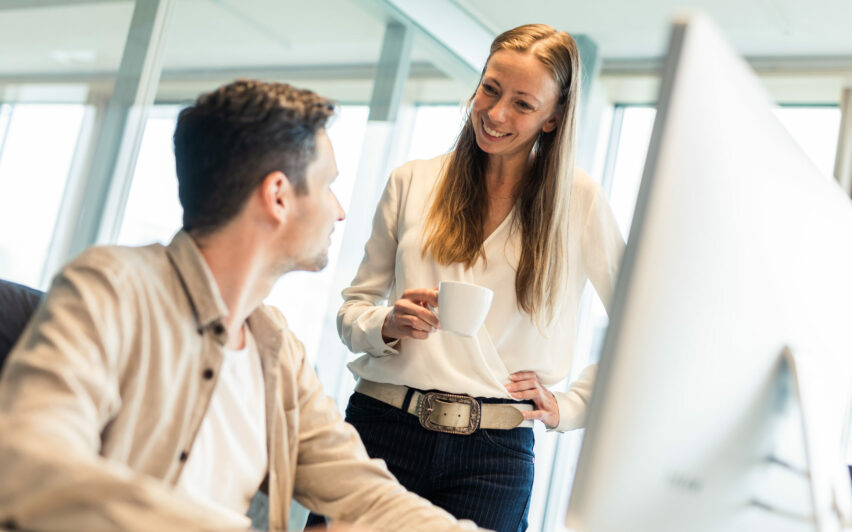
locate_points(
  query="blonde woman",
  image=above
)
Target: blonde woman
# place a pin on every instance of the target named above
(506, 209)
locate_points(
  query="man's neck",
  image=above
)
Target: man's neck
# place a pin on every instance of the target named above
(236, 259)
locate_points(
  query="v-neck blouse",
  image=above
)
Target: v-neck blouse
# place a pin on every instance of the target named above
(509, 341)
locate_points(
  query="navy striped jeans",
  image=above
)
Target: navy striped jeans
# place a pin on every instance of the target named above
(486, 476)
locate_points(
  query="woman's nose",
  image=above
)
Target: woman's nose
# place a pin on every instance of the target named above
(497, 113)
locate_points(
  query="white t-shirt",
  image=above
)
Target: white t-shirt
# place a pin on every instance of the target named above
(228, 459)
(509, 341)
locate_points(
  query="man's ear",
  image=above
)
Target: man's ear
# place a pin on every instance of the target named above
(276, 193)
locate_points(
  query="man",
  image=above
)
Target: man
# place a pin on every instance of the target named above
(153, 391)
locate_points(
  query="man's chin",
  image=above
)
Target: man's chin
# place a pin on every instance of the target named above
(314, 265)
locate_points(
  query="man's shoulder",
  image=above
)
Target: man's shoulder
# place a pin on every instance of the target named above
(120, 263)
(273, 318)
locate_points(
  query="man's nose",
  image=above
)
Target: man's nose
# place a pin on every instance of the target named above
(341, 214)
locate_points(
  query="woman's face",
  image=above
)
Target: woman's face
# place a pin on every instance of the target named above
(516, 100)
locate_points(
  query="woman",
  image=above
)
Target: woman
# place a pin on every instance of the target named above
(505, 209)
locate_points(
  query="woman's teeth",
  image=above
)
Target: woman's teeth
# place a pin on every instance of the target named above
(492, 132)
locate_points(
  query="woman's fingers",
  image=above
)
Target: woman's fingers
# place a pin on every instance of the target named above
(410, 308)
(416, 323)
(410, 316)
(523, 375)
(527, 394)
(519, 386)
(526, 386)
(422, 296)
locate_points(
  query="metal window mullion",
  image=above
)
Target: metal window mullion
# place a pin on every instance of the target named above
(589, 108)
(608, 173)
(120, 134)
(5, 124)
(843, 158)
(457, 58)
(379, 141)
(391, 73)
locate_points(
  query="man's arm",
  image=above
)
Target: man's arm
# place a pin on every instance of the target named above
(58, 391)
(336, 477)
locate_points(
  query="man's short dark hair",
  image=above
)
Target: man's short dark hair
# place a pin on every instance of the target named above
(232, 138)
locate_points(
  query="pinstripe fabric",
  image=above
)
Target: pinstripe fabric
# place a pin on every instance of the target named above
(486, 477)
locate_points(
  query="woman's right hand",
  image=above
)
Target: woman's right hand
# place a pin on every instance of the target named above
(410, 315)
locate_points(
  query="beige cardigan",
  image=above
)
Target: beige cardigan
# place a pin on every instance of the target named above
(101, 399)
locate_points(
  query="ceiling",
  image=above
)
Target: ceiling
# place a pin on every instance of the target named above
(639, 29)
(47, 39)
(211, 33)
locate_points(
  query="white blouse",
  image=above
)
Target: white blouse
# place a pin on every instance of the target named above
(509, 341)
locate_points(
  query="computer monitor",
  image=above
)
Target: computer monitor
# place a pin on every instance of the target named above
(740, 250)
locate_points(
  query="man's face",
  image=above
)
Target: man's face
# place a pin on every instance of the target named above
(314, 213)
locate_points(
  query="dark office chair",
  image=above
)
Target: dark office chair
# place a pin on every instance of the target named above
(17, 305)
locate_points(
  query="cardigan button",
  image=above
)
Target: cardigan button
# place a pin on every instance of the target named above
(208, 374)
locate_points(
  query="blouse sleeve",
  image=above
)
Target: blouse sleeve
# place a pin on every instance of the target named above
(364, 309)
(602, 247)
(574, 404)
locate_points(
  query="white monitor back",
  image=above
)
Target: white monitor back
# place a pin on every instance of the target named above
(739, 247)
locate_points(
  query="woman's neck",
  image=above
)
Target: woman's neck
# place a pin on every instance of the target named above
(503, 174)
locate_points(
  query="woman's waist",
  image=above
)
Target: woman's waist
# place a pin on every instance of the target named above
(449, 412)
(481, 382)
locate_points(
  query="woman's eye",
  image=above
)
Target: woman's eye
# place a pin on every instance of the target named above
(524, 105)
(488, 89)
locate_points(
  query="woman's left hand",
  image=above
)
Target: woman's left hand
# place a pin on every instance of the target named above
(525, 386)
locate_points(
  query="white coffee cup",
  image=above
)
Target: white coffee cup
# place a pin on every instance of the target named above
(462, 307)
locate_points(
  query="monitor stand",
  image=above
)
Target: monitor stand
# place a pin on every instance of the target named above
(805, 481)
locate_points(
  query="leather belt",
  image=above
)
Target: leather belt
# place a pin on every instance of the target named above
(448, 412)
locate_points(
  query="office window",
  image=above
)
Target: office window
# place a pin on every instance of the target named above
(37, 147)
(816, 130)
(153, 211)
(434, 130)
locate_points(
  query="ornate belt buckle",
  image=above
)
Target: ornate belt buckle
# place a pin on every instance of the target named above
(428, 404)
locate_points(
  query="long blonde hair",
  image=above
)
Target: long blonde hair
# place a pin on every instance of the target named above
(454, 223)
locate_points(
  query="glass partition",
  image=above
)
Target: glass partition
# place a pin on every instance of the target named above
(57, 69)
